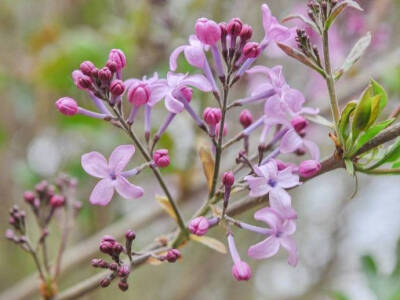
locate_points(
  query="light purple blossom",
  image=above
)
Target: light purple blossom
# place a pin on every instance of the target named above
(269, 180)
(171, 89)
(111, 175)
(279, 234)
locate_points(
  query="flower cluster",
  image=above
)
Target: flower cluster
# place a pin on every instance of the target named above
(282, 124)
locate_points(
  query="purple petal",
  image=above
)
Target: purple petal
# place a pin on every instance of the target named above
(287, 179)
(158, 91)
(290, 245)
(265, 249)
(198, 81)
(173, 105)
(95, 164)
(130, 82)
(294, 99)
(269, 216)
(290, 142)
(313, 148)
(126, 189)
(174, 57)
(195, 56)
(289, 227)
(270, 169)
(102, 192)
(258, 186)
(278, 197)
(120, 157)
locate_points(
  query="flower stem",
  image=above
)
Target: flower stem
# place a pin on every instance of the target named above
(330, 81)
(156, 172)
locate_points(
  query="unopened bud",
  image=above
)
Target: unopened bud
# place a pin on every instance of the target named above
(117, 87)
(67, 106)
(309, 168)
(245, 118)
(199, 226)
(161, 158)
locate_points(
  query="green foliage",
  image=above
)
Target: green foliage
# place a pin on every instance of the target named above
(336, 295)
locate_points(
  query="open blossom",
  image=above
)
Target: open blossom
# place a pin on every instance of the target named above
(279, 234)
(111, 175)
(173, 89)
(269, 180)
(272, 29)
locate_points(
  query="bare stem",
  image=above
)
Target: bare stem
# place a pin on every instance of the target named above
(330, 80)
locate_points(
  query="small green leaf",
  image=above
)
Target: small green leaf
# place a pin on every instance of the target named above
(369, 265)
(338, 9)
(379, 90)
(396, 165)
(296, 54)
(349, 166)
(303, 19)
(320, 120)
(355, 54)
(336, 295)
(362, 113)
(391, 155)
(344, 119)
(371, 133)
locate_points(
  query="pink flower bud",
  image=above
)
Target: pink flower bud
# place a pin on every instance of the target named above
(29, 197)
(81, 80)
(112, 65)
(251, 50)
(241, 271)
(108, 238)
(299, 124)
(187, 93)
(106, 247)
(228, 179)
(280, 164)
(161, 158)
(105, 75)
(130, 235)
(118, 57)
(87, 67)
(207, 31)
(123, 271)
(223, 28)
(57, 201)
(245, 118)
(67, 106)
(172, 255)
(113, 266)
(105, 282)
(139, 95)
(212, 116)
(117, 87)
(309, 168)
(234, 26)
(224, 132)
(246, 33)
(123, 285)
(199, 226)
(117, 248)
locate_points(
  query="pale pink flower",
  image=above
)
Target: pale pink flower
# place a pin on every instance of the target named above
(269, 180)
(111, 175)
(279, 234)
(272, 29)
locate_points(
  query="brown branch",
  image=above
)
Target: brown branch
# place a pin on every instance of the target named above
(236, 208)
(385, 136)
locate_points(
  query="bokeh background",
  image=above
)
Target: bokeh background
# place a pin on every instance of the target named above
(43, 41)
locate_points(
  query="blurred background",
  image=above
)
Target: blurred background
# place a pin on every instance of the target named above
(347, 247)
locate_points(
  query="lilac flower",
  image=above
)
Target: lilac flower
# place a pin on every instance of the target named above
(272, 29)
(292, 141)
(269, 180)
(195, 56)
(171, 89)
(111, 175)
(279, 235)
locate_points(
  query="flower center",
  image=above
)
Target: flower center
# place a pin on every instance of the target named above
(113, 176)
(279, 234)
(272, 182)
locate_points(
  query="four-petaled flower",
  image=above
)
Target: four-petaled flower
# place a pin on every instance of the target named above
(279, 234)
(269, 180)
(111, 174)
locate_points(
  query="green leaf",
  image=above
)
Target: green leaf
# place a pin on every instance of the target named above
(391, 155)
(362, 113)
(338, 9)
(320, 120)
(303, 19)
(396, 165)
(371, 133)
(336, 295)
(379, 90)
(345, 116)
(349, 166)
(369, 265)
(296, 54)
(355, 54)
